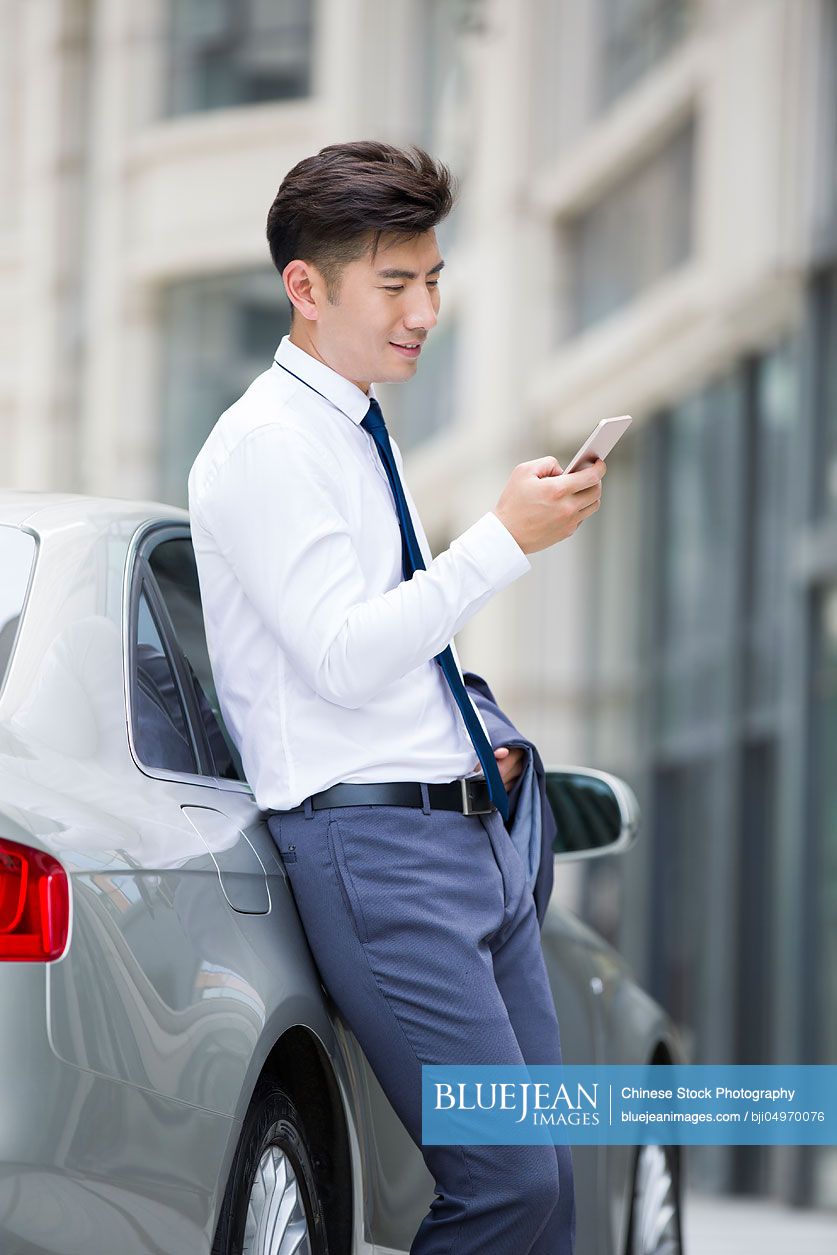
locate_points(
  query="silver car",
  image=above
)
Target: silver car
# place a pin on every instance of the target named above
(175, 1076)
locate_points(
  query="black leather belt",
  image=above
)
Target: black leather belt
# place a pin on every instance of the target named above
(469, 794)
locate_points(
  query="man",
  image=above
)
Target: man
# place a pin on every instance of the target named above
(329, 625)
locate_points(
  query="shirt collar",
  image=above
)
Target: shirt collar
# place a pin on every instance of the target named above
(341, 392)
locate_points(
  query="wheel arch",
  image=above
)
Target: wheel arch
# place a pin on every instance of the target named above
(299, 1062)
(662, 1053)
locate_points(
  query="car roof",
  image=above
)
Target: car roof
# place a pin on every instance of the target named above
(50, 511)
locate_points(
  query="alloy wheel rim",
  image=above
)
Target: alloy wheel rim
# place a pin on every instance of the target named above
(655, 1221)
(276, 1222)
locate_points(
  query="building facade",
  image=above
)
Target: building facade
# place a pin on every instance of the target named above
(647, 225)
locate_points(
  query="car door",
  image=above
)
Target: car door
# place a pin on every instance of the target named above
(228, 818)
(165, 903)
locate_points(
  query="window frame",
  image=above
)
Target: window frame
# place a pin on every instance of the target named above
(139, 579)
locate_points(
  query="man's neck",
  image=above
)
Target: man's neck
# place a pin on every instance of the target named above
(300, 338)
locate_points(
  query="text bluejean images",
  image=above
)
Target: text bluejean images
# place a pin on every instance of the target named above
(711, 1104)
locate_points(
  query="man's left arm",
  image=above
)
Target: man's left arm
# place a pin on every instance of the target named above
(502, 733)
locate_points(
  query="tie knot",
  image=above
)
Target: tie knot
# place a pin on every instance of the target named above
(374, 419)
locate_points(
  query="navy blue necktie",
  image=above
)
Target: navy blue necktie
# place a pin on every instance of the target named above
(412, 560)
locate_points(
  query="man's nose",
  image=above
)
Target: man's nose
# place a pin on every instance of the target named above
(421, 312)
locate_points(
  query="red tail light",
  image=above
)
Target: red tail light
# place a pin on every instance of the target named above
(34, 904)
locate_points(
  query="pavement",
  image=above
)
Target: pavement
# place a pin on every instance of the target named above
(731, 1226)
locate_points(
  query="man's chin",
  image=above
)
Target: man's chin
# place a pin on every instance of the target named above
(405, 372)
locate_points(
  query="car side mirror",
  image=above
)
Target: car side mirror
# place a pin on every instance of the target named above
(595, 813)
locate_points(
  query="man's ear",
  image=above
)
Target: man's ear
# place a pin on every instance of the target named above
(303, 284)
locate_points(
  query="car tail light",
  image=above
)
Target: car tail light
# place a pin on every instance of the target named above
(34, 904)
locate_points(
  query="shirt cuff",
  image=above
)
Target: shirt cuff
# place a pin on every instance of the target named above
(495, 551)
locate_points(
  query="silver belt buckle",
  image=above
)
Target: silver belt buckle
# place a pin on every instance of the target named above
(470, 803)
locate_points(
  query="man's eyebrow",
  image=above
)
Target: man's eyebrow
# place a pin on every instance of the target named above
(407, 274)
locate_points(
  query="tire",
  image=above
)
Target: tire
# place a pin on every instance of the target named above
(272, 1164)
(655, 1222)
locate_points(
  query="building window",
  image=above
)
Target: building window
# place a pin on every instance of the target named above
(774, 437)
(447, 99)
(825, 307)
(824, 175)
(690, 576)
(238, 52)
(686, 804)
(717, 573)
(638, 232)
(634, 35)
(697, 578)
(218, 333)
(824, 745)
(822, 895)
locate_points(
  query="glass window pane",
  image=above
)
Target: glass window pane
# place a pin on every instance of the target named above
(756, 933)
(17, 556)
(825, 749)
(635, 35)
(616, 572)
(235, 52)
(698, 521)
(161, 733)
(824, 882)
(776, 409)
(685, 810)
(826, 313)
(175, 570)
(444, 113)
(218, 333)
(639, 231)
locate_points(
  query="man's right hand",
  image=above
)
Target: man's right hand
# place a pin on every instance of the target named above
(540, 506)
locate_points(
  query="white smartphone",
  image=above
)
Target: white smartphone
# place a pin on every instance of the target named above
(600, 442)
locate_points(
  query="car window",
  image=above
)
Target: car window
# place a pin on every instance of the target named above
(160, 727)
(17, 556)
(173, 565)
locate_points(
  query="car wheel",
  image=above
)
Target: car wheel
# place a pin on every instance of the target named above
(271, 1205)
(654, 1227)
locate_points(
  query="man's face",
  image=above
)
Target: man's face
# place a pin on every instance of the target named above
(383, 303)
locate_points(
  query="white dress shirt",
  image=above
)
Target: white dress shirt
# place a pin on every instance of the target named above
(322, 654)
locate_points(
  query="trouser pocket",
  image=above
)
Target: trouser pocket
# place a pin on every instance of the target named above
(287, 852)
(345, 881)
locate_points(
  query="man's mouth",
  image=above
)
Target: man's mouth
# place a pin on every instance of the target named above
(407, 350)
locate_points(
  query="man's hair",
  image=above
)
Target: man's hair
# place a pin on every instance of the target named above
(334, 207)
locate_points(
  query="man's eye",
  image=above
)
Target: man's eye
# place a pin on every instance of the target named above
(400, 288)
(433, 283)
